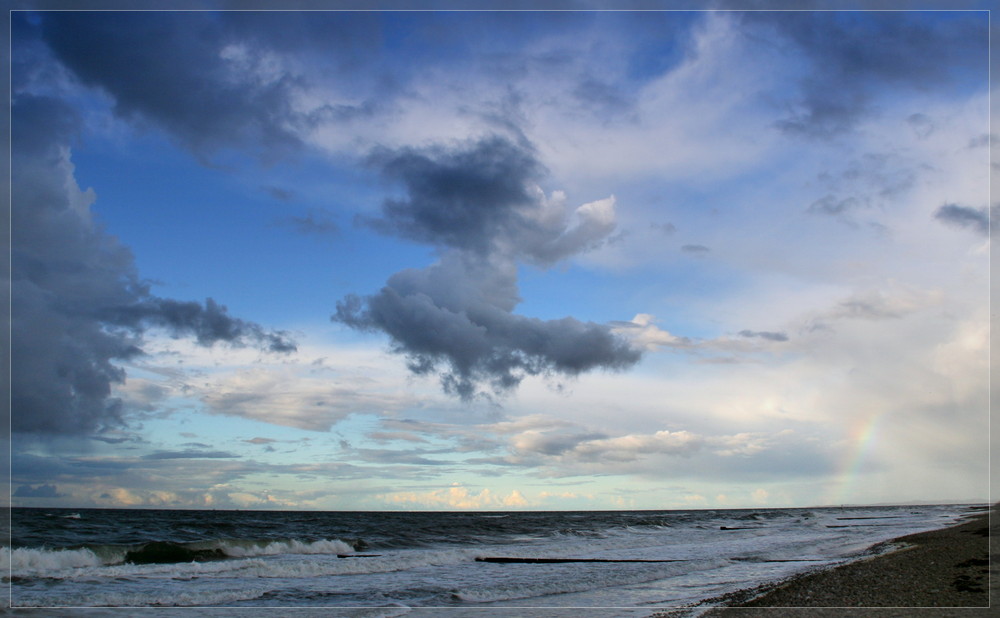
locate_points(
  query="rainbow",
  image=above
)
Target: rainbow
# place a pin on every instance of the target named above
(863, 438)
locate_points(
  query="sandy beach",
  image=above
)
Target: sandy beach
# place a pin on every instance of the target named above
(945, 572)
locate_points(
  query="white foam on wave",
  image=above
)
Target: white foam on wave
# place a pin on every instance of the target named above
(276, 562)
(24, 561)
(286, 547)
(67, 562)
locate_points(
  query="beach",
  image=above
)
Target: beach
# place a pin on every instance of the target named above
(946, 572)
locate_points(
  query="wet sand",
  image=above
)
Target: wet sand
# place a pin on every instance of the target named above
(945, 572)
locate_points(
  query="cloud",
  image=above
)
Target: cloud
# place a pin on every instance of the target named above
(642, 331)
(190, 454)
(832, 205)
(209, 323)
(466, 198)
(192, 482)
(894, 302)
(398, 457)
(666, 228)
(458, 497)
(458, 313)
(282, 396)
(552, 448)
(42, 491)
(482, 197)
(850, 58)
(79, 307)
(278, 193)
(478, 204)
(191, 74)
(319, 224)
(975, 219)
(770, 336)
(695, 249)
(635, 446)
(922, 124)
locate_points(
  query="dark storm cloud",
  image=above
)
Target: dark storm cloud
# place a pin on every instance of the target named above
(209, 323)
(78, 305)
(42, 491)
(853, 55)
(478, 203)
(975, 219)
(458, 313)
(465, 199)
(184, 72)
(482, 197)
(763, 334)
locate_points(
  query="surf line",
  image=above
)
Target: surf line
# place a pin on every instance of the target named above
(559, 560)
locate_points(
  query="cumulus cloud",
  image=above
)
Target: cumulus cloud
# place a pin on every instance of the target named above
(479, 204)
(482, 197)
(79, 307)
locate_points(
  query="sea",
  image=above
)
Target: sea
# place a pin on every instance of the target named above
(615, 563)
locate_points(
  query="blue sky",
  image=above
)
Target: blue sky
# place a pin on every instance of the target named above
(573, 260)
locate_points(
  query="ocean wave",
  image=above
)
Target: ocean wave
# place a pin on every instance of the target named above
(23, 561)
(59, 565)
(44, 561)
(292, 546)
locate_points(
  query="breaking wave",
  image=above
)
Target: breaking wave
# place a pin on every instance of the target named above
(41, 561)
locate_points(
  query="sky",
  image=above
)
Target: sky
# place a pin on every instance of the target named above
(499, 260)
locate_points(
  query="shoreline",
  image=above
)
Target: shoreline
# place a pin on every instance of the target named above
(924, 574)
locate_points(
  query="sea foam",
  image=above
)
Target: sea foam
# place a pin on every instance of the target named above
(292, 546)
(23, 561)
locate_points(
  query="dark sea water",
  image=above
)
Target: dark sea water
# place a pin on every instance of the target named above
(396, 564)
